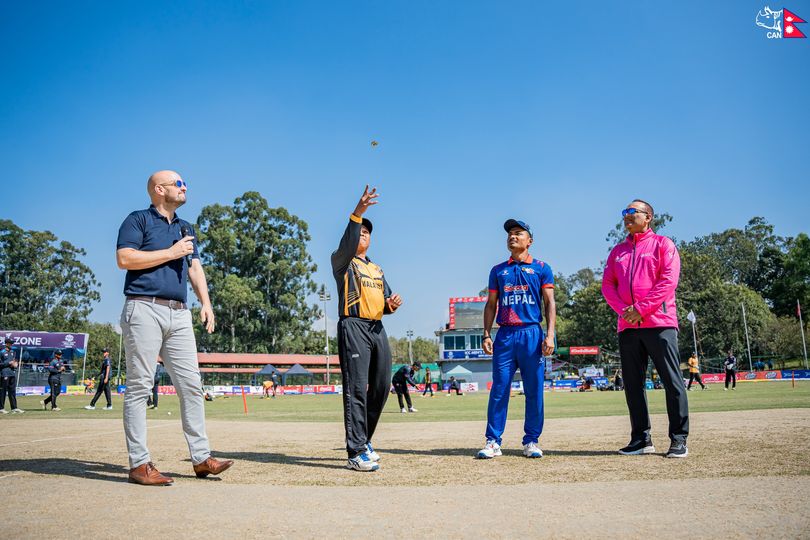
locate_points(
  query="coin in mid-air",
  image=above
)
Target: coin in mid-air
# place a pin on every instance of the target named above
(374, 144)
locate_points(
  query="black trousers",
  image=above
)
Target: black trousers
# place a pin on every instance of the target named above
(402, 390)
(731, 376)
(56, 389)
(456, 388)
(105, 388)
(153, 400)
(636, 347)
(365, 364)
(694, 377)
(8, 386)
(428, 388)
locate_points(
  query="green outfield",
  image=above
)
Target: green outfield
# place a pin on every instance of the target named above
(327, 408)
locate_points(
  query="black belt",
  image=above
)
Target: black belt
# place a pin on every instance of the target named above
(173, 304)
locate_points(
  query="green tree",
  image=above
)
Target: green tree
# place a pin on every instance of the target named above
(589, 320)
(748, 256)
(260, 276)
(718, 307)
(424, 350)
(44, 285)
(792, 280)
(784, 338)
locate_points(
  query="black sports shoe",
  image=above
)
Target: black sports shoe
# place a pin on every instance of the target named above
(638, 447)
(677, 450)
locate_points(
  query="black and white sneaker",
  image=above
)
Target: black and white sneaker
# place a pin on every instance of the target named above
(677, 450)
(637, 448)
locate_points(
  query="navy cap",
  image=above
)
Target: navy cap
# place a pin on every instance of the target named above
(57, 352)
(367, 224)
(9, 340)
(511, 223)
(105, 349)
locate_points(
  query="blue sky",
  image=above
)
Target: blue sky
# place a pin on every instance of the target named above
(556, 113)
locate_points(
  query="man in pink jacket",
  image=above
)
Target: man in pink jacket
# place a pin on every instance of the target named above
(639, 283)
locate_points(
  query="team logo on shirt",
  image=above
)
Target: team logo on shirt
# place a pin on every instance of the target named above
(527, 269)
(515, 288)
(515, 299)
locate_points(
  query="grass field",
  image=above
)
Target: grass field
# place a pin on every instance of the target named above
(328, 408)
(747, 475)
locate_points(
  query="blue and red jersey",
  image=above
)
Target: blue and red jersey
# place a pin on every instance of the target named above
(519, 286)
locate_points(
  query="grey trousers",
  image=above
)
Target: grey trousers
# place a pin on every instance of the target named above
(151, 330)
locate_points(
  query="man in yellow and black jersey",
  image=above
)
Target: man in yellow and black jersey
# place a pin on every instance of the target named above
(365, 358)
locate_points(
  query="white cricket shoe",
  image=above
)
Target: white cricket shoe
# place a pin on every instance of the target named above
(531, 450)
(108, 408)
(3, 411)
(404, 410)
(490, 450)
(374, 456)
(17, 411)
(363, 463)
(413, 409)
(90, 407)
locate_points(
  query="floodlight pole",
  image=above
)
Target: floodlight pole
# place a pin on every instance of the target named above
(409, 333)
(801, 326)
(325, 297)
(747, 342)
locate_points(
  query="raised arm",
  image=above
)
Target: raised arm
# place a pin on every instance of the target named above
(347, 248)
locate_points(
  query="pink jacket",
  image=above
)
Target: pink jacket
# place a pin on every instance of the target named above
(643, 271)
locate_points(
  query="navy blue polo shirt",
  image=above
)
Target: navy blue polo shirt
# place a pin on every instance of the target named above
(148, 230)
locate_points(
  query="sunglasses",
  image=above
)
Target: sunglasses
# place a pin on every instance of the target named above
(632, 212)
(178, 183)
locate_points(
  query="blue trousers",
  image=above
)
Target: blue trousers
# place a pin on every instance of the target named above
(517, 347)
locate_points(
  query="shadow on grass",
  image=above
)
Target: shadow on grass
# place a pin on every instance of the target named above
(282, 459)
(90, 470)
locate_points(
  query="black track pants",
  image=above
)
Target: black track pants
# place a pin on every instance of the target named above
(105, 388)
(8, 386)
(731, 376)
(636, 346)
(365, 363)
(695, 377)
(56, 389)
(402, 390)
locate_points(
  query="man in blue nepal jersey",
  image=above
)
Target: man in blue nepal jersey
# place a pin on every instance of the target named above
(519, 290)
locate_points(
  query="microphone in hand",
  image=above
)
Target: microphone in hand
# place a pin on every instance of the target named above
(185, 230)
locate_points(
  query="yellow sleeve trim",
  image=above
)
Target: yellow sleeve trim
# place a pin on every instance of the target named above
(355, 218)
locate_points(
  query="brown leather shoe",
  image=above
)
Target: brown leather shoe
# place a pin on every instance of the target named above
(148, 475)
(211, 466)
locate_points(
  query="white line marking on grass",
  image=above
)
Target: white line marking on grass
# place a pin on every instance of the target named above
(77, 436)
(13, 474)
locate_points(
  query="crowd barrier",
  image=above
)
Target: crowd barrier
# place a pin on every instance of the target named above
(754, 376)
